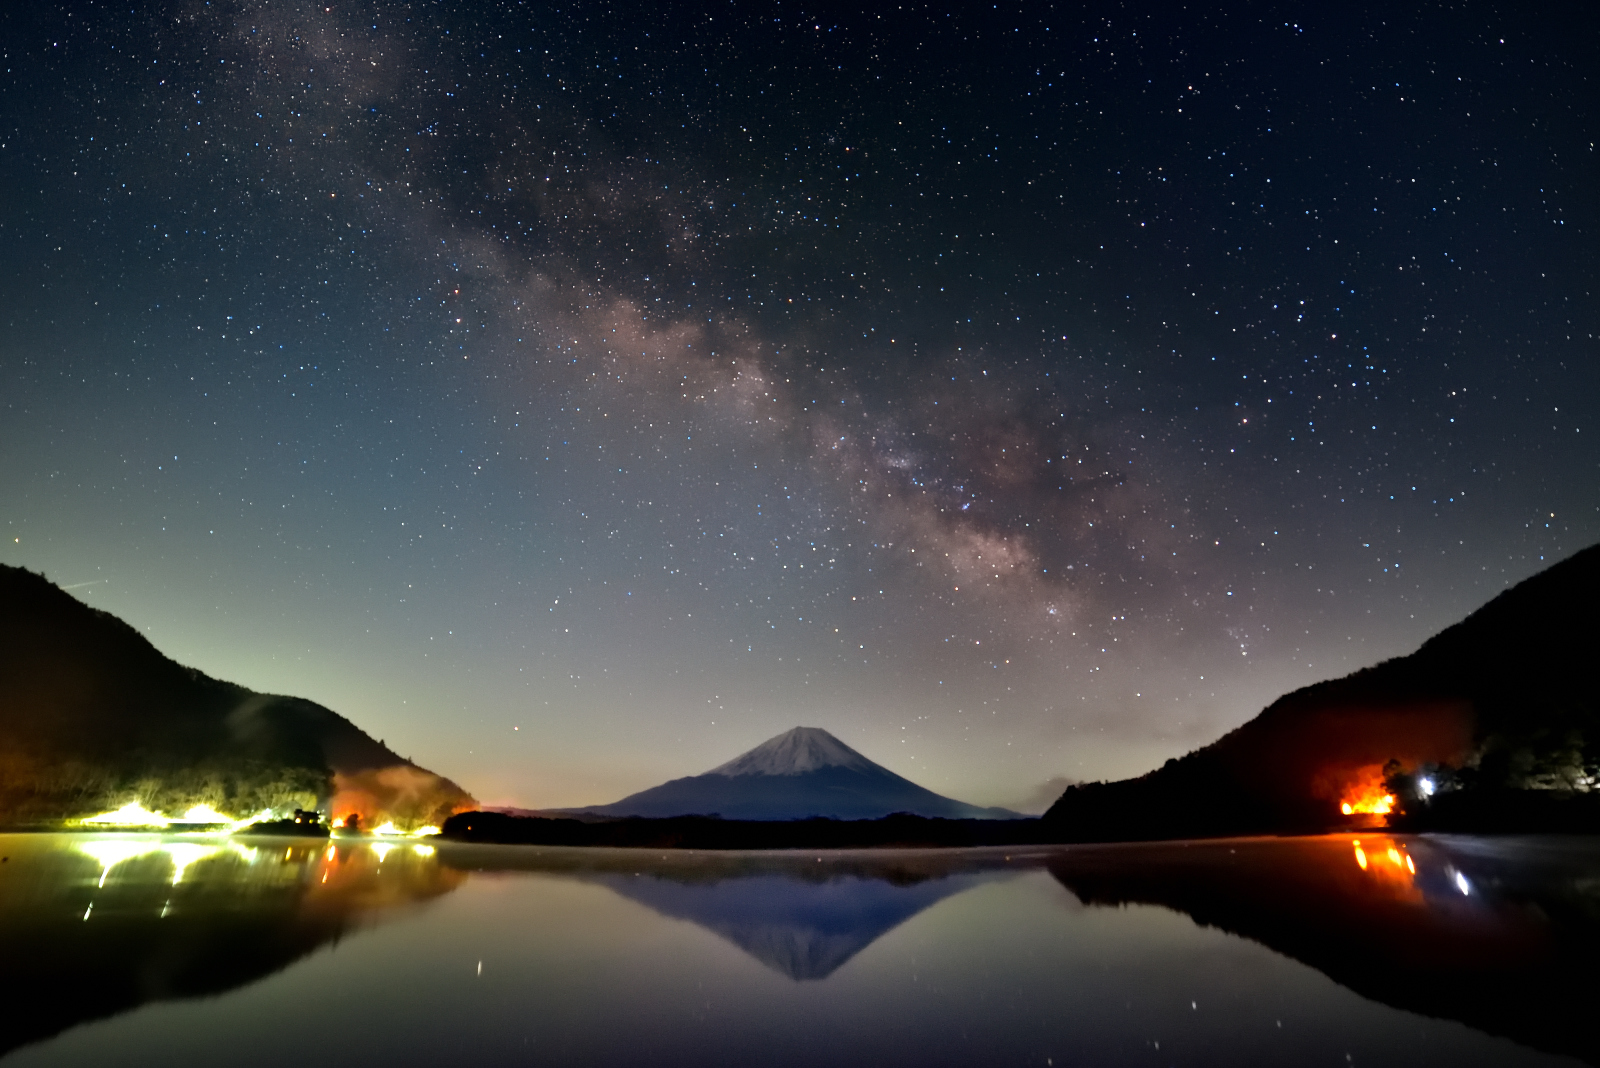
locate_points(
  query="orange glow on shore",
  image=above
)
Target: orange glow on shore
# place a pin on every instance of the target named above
(1367, 796)
(1379, 806)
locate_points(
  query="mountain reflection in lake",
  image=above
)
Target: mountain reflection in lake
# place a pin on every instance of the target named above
(803, 928)
(1217, 952)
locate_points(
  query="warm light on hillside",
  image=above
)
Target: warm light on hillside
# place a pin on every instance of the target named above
(203, 814)
(1368, 805)
(1367, 796)
(133, 814)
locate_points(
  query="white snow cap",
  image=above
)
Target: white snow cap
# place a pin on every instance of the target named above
(795, 752)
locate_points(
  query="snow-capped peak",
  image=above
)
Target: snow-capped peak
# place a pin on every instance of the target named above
(794, 753)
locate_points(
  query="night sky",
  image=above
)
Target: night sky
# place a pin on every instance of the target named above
(575, 395)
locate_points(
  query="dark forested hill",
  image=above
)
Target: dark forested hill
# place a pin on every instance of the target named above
(1493, 724)
(92, 716)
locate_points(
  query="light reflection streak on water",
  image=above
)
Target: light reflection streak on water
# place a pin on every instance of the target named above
(184, 854)
(1389, 864)
(325, 867)
(110, 852)
(1397, 855)
(1393, 864)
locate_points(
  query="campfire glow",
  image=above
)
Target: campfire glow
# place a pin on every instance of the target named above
(1373, 806)
(390, 830)
(132, 814)
(203, 814)
(135, 815)
(1367, 796)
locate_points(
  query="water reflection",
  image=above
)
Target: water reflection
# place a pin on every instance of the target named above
(805, 929)
(800, 914)
(1500, 934)
(99, 924)
(1083, 954)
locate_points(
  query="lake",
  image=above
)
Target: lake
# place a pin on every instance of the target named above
(1337, 950)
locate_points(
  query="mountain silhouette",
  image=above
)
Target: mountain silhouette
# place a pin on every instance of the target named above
(801, 773)
(92, 716)
(1493, 724)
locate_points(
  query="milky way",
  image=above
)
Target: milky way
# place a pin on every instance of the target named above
(577, 395)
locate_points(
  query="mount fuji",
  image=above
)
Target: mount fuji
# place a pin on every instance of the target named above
(801, 773)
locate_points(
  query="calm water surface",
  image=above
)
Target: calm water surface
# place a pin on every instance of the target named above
(133, 950)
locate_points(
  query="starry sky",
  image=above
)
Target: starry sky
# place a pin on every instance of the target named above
(577, 394)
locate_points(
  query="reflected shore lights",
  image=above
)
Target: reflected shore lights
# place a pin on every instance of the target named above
(1389, 858)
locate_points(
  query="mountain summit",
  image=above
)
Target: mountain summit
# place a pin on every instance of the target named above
(801, 773)
(796, 752)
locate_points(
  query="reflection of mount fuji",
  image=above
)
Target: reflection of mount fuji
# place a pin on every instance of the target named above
(791, 913)
(806, 929)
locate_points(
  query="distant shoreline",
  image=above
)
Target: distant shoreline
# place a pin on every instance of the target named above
(709, 832)
(1510, 816)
